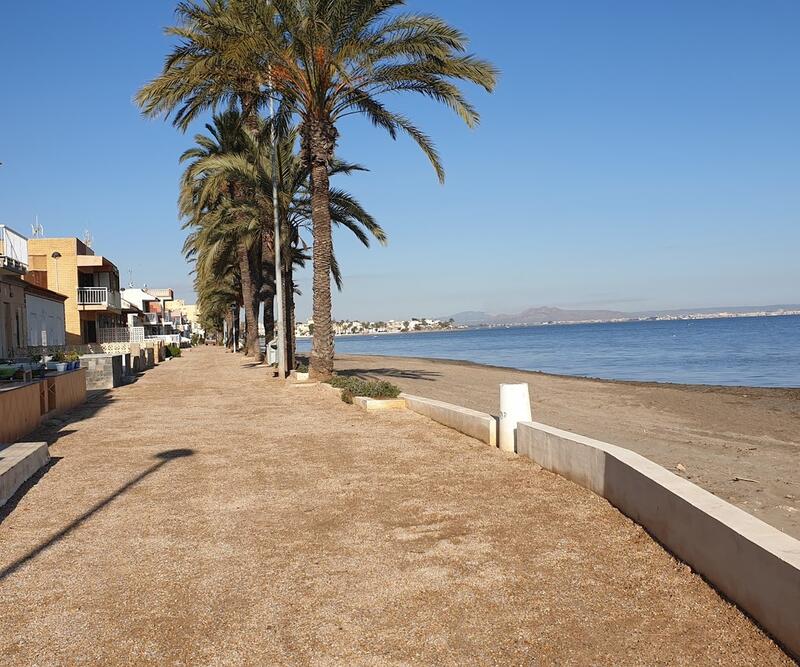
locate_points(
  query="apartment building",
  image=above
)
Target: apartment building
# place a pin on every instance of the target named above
(13, 265)
(90, 283)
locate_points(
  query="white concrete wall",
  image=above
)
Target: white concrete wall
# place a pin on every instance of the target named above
(45, 321)
(478, 425)
(749, 561)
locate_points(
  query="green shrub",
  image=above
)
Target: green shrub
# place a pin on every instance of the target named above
(173, 350)
(302, 368)
(352, 387)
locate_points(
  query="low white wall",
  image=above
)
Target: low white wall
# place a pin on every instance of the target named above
(753, 564)
(478, 425)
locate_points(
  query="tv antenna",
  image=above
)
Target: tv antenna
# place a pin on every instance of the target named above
(130, 277)
(37, 231)
(87, 238)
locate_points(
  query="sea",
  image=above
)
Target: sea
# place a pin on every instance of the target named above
(740, 351)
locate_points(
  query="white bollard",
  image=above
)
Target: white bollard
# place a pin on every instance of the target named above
(515, 407)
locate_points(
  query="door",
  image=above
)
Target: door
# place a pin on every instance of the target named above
(91, 331)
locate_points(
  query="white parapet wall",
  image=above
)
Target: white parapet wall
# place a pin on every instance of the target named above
(478, 425)
(750, 562)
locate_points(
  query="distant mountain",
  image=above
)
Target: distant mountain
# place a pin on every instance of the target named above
(538, 315)
(470, 317)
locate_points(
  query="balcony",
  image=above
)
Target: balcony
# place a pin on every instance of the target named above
(13, 251)
(98, 298)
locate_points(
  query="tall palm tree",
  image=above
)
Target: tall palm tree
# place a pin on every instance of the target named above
(211, 202)
(253, 168)
(206, 71)
(327, 59)
(324, 60)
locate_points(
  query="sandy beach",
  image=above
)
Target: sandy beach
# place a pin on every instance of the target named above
(742, 444)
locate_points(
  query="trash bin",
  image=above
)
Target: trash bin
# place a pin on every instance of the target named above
(272, 352)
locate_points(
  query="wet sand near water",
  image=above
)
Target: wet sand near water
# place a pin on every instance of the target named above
(742, 444)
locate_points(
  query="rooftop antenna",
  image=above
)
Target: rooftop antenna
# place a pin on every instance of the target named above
(87, 238)
(130, 277)
(36, 229)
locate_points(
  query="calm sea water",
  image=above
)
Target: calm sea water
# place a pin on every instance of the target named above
(752, 351)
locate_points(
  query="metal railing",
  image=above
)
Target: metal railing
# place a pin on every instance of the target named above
(13, 249)
(98, 296)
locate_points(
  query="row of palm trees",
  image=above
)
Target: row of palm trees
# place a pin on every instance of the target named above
(318, 61)
(226, 198)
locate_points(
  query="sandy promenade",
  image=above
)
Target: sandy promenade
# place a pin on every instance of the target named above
(289, 528)
(741, 444)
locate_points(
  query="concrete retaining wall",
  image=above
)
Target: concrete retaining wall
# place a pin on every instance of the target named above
(478, 425)
(18, 463)
(103, 371)
(24, 406)
(753, 564)
(379, 405)
(20, 410)
(127, 364)
(66, 391)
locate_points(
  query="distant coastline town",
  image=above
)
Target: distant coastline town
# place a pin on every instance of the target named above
(364, 327)
(531, 317)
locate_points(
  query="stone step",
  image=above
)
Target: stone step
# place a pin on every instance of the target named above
(18, 463)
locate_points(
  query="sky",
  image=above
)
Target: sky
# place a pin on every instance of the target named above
(635, 156)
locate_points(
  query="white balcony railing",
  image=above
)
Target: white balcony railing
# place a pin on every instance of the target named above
(13, 250)
(98, 296)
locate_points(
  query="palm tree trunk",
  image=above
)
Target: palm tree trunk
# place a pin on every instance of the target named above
(268, 281)
(228, 330)
(250, 300)
(321, 141)
(235, 328)
(288, 315)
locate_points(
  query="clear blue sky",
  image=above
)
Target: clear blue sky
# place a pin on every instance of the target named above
(636, 155)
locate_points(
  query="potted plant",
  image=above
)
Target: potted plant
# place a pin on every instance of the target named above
(73, 359)
(37, 366)
(7, 373)
(58, 362)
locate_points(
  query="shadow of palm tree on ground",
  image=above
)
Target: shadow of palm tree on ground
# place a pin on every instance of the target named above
(378, 373)
(163, 458)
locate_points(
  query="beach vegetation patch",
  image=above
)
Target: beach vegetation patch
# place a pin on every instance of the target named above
(352, 387)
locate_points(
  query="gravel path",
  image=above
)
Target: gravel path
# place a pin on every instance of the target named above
(293, 529)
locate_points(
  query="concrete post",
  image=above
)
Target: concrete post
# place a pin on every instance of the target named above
(515, 407)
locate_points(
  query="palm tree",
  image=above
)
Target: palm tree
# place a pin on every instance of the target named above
(205, 72)
(328, 59)
(253, 168)
(324, 60)
(210, 203)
